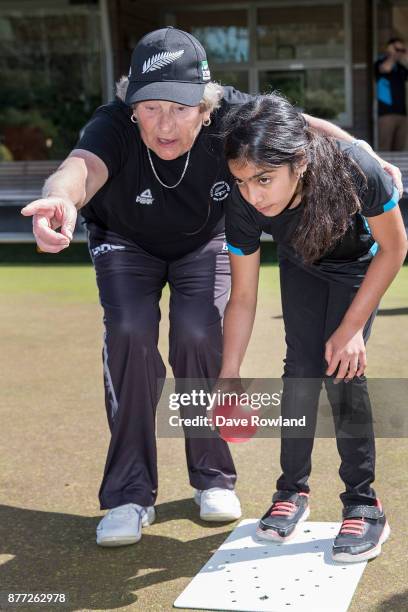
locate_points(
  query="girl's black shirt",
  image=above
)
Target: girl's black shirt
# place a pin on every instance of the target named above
(350, 257)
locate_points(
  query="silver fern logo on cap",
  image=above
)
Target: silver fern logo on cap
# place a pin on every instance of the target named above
(161, 59)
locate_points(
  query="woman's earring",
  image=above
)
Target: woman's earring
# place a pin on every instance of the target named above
(207, 122)
(133, 119)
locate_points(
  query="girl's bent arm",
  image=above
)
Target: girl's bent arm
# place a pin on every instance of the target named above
(389, 232)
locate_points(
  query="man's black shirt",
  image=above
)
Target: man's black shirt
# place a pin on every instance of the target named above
(391, 89)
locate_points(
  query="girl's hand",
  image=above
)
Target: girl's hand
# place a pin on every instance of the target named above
(347, 353)
(225, 385)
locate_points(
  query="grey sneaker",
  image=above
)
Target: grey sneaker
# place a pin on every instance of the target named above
(282, 519)
(123, 525)
(363, 530)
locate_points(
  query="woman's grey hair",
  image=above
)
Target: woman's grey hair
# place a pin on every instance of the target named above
(211, 100)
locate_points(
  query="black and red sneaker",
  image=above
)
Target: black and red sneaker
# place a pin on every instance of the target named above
(288, 509)
(363, 530)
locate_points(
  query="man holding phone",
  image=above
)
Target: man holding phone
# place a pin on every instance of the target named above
(391, 72)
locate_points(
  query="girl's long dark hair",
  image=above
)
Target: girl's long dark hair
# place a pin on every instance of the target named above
(269, 131)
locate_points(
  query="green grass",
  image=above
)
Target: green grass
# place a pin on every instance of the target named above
(72, 283)
(61, 283)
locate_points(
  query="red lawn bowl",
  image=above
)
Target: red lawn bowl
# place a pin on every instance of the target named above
(234, 421)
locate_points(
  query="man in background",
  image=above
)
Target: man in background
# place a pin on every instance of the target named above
(391, 72)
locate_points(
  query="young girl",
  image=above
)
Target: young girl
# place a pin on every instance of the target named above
(341, 241)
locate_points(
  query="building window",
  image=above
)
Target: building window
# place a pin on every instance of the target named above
(224, 34)
(50, 73)
(297, 32)
(317, 91)
(301, 49)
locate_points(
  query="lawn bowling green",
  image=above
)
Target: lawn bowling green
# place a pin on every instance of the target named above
(54, 437)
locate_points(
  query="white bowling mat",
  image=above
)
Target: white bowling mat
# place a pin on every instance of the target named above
(252, 575)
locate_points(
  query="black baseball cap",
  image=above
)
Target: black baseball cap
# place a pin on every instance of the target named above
(168, 64)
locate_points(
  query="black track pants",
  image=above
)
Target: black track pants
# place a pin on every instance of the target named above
(312, 310)
(130, 283)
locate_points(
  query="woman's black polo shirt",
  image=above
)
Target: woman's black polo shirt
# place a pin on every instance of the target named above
(167, 223)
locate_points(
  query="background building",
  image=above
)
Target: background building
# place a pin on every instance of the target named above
(59, 59)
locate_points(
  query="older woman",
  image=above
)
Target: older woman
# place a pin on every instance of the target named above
(151, 181)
